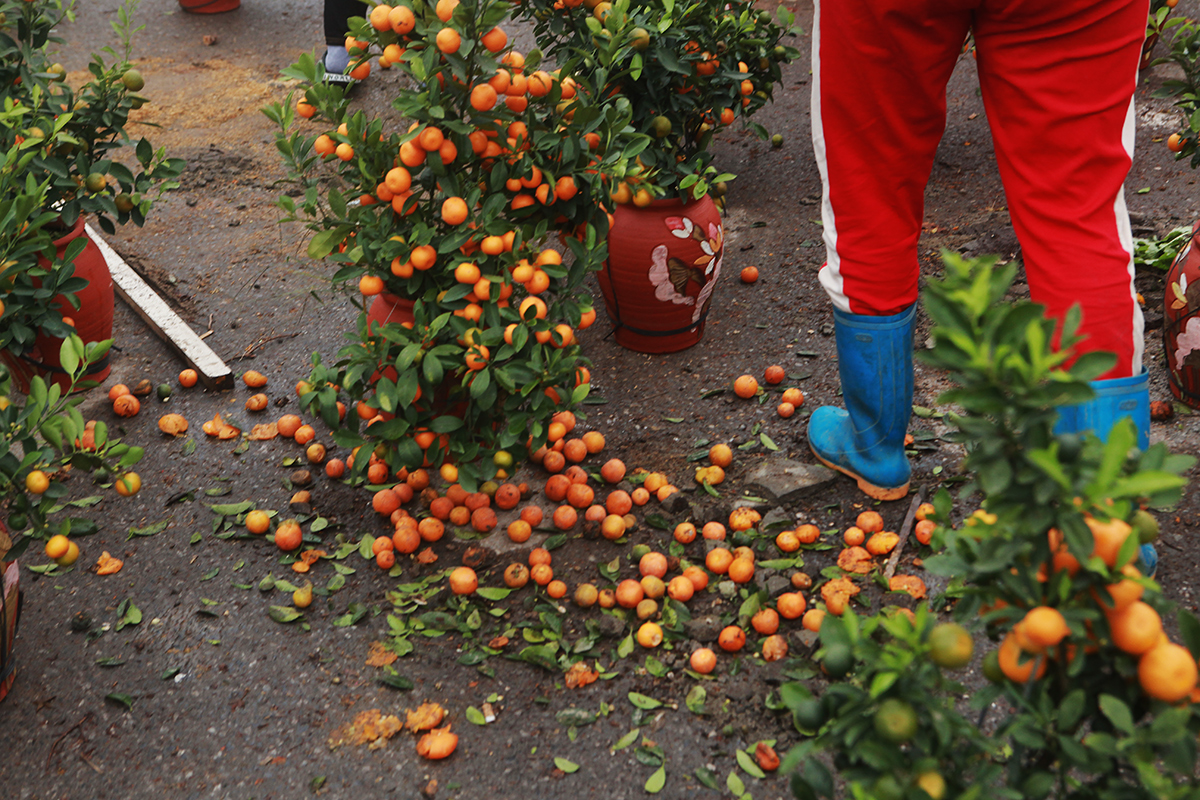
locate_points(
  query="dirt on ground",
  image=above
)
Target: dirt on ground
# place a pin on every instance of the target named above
(225, 702)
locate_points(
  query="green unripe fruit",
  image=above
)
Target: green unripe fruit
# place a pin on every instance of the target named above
(133, 80)
(640, 550)
(991, 667)
(124, 203)
(639, 39)
(661, 126)
(164, 391)
(895, 721)
(1146, 525)
(951, 646)
(838, 660)
(96, 181)
(777, 141)
(888, 787)
(809, 714)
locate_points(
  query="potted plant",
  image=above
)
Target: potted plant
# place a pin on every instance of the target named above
(65, 140)
(687, 71)
(470, 229)
(43, 439)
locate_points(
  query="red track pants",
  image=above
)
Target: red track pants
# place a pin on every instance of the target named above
(1057, 80)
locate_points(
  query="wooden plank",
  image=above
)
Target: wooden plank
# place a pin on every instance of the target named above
(904, 532)
(162, 320)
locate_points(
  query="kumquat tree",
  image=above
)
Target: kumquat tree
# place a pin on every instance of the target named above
(1097, 701)
(485, 212)
(686, 71)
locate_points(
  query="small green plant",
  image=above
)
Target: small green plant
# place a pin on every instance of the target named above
(892, 731)
(1160, 253)
(1185, 53)
(76, 132)
(42, 437)
(1100, 700)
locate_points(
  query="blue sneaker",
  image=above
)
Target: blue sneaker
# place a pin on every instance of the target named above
(866, 439)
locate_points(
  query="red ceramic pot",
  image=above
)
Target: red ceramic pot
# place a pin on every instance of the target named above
(93, 318)
(663, 264)
(390, 308)
(209, 6)
(1181, 323)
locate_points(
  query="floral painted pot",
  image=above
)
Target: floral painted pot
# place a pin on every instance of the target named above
(1181, 323)
(663, 264)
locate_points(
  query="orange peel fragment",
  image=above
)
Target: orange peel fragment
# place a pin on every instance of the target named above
(107, 565)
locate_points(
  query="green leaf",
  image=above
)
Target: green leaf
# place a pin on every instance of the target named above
(109, 662)
(1117, 712)
(655, 667)
(707, 778)
(696, 698)
(129, 613)
(644, 702)
(735, 785)
(656, 782)
(566, 766)
(396, 682)
(748, 766)
(284, 614)
(353, 614)
(493, 593)
(232, 509)
(625, 740)
(121, 699)
(625, 647)
(767, 442)
(149, 530)
(475, 716)
(168, 674)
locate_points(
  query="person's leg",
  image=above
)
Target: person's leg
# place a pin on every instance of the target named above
(880, 69)
(1058, 81)
(337, 25)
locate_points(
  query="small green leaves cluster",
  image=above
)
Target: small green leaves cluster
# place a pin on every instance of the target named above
(1184, 53)
(893, 729)
(44, 431)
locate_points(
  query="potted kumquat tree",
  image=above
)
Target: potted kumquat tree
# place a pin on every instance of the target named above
(685, 71)
(469, 233)
(65, 139)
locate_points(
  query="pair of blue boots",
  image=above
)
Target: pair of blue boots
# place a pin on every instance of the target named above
(865, 440)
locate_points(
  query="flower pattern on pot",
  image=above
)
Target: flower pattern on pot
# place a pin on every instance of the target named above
(688, 284)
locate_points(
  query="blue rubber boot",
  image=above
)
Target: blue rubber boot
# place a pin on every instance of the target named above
(1115, 399)
(866, 439)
